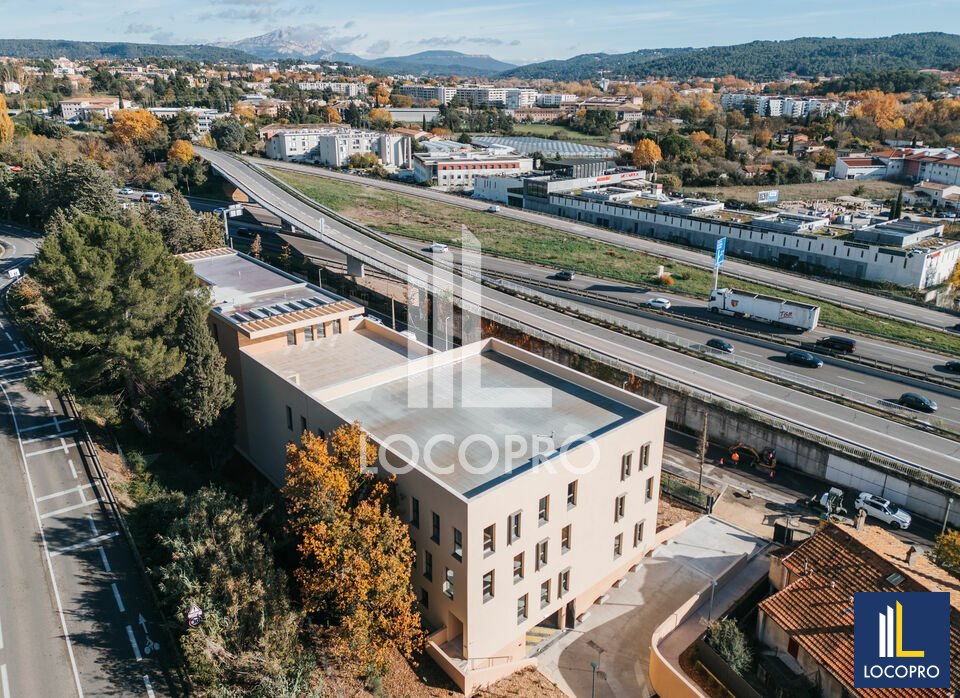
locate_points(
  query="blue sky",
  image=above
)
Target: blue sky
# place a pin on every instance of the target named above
(521, 31)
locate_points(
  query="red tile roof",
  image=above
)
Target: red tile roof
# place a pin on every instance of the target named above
(816, 609)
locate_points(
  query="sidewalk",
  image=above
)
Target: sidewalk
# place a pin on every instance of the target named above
(724, 598)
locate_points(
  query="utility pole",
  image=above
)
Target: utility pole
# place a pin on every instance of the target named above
(702, 447)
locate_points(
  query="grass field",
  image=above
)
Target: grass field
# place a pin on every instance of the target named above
(547, 130)
(420, 219)
(805, 192)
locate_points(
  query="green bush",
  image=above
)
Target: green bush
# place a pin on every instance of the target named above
(730, 643)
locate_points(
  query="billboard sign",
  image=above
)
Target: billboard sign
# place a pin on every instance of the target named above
(770, 196)
(719, 253)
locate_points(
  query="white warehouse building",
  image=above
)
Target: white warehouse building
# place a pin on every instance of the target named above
(333, 147)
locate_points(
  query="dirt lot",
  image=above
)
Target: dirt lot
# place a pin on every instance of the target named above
(807, 192)
(670, 512)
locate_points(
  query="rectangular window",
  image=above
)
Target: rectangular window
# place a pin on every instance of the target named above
(291, 338)
(303, 424)
(545, 594)
(541, 554)
(543, 511)
(424, 598)
(618, 507)
(637, 534)
(457, 544)
(448, 583)
(308, 334)
(649, 488)
(626, 463)
(488, 586)
(513, 527)
(415, 512)
(518, 567)
(618, 545)
(428, 565)
(644, 456)
(563, 582)
(565, 539)
(489, 539)
(572, 494)
(435, 529)
(335, 327)
(321, 330)
(521, 609)
(289, 418)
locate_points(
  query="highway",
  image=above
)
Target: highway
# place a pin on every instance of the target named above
(842, 295)
(75, 619)
(872, 433)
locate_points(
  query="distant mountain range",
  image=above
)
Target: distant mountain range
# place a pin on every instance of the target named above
(293, 43)
(761, 60)
(440, 63)
(90, 50)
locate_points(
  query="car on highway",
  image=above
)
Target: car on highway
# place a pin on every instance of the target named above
(952, 366)
(438, 247)
(954, 328)
(658, 303)
(803, 358)
(841, 345)
(883, 509)
(564, 275)
(493, 209)
(720, 345)
(152, 197)
(916, 401)
(126, 191)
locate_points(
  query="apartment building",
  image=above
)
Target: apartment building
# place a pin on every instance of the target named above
(426, 93)
(529, 488)
(455, 171)
(482, 95)
(333, 146)
(778, 105)
(520, 97)
(555, 100)
(82, 108)
(348, 89)
(205, 117)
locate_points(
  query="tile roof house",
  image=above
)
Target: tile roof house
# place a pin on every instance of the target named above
(808, 621)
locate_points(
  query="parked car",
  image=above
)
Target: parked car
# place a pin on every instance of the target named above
(152, 197)
(218, 211)
(126, 191)
(803, 358)
(493, 209)
(564, 275)
(842, 345)
(916, 401)
(952, 366)
(658, 303)
(720, 345)
(883, 509)
(438, 247)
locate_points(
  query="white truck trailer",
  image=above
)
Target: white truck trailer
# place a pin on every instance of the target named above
(778, 311)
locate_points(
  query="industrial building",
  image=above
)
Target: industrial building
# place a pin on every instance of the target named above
(529, 488)
(457, 170)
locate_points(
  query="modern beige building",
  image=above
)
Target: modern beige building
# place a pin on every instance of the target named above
(530, 488)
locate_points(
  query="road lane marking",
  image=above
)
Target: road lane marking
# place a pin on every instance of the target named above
(844, 378)
(73, 468)
(149, 687)
(50, 436)
(14, 353)
(134, 645)
(93, 525)
(63, 447)
(7, 335)
(4, 682)
(85, 543)
(68, 509)
(49, 407)
(53, 423)
(72, 490)
(46, 550)
(103, 558)
(116, 596)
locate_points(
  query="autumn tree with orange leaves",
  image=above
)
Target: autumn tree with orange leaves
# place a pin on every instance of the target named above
(881, 108)
(355, 554)
(647, 153)
(133, 126)
(181, 151)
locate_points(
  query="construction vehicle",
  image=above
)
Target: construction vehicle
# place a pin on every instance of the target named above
(831, 502)
(764, 461)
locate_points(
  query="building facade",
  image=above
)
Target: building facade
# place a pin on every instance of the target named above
(456, 171)
(333, 146)
(83, 108)
(427, 93)
(205, 117)
(348, 89)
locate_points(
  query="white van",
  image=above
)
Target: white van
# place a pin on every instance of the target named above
(152, 197)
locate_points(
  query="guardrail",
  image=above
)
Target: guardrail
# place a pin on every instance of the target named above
(831, 442)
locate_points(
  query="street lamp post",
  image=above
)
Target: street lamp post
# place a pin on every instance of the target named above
(593, 684)
(713, 588)
(446, 332)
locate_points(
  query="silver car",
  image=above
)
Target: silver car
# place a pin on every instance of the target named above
(883, 509)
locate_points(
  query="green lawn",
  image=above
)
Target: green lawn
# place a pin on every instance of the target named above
(420, 219)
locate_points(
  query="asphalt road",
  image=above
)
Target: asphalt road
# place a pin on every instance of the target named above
(816, 289)
(74, 616)
(913, 446)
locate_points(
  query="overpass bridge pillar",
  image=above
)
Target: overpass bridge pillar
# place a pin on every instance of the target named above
(354, 267)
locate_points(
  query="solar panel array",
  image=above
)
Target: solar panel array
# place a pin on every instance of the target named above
(279, 309)
(550, 148)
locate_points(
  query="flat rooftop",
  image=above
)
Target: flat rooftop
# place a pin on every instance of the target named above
(564, 409)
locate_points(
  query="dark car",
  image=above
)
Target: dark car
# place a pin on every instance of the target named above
(842, 345)
(720, 345)
(954, 328)
(565, 275)
(803, 358)
(952, 366)
(918, 402)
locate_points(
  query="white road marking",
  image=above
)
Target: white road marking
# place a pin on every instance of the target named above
(4, 682)
(7, 335)
(93, 525)
(85, 543)
(53, 423)
(63, 447)
(72, 490)
(844, 378)
(14, 353)
(149, 687)
(65, 510)
(751, 353)
(116, 596)
(49, 407)
(103, 558)
(73, 468)
(46, 549)
(50, 436)
(134, 645)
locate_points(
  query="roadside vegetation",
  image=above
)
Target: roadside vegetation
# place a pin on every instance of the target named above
(421, 219)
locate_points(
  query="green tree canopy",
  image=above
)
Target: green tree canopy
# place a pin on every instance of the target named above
(228, 134)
